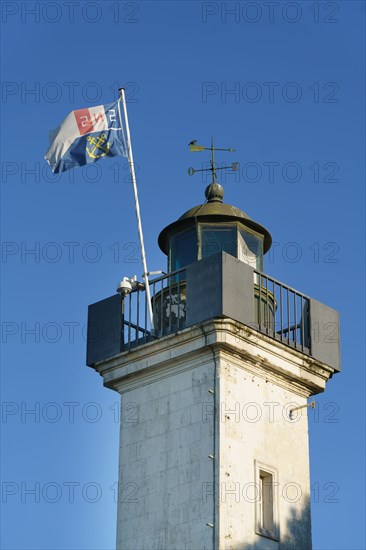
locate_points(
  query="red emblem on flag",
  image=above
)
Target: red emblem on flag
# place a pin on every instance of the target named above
(84, 121)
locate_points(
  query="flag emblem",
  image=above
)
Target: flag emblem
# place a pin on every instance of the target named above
(97, 143)
(85, 136)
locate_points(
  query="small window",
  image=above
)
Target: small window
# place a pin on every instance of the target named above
(251, 249)
(219, 238)
(266, 500)
(183, 249)
(266, 516)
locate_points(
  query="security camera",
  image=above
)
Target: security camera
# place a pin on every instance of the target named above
(124, 287)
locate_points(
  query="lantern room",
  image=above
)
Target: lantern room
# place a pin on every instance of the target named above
(214, 227)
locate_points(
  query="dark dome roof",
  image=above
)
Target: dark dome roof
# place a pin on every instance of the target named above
(212, 211)
(214, 208)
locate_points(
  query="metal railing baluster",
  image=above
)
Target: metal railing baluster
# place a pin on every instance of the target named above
(260, 303)
(170, 305)
(137, 315)
(288, 317)
(129, 321)
(178, 304)
(161, 307)
(274, 310)
(267, 308)
(281, 312)
(145, 325)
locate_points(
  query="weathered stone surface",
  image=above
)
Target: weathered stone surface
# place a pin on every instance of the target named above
(210, 403)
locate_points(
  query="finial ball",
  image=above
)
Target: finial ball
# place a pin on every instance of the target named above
(214, 192)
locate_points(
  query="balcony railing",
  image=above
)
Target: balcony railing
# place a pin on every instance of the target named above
(168, 301)
(280, 312)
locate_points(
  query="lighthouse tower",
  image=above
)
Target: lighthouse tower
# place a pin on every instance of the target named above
(214, 432)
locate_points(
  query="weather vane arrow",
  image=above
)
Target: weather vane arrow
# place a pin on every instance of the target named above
(194, 148)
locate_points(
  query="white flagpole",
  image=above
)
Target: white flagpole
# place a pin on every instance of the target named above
(139, 226)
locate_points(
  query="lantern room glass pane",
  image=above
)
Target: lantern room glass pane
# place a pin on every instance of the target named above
(183, 249)
(250, 249)
(218, 238)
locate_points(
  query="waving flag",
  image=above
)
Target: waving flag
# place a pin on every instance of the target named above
(85, 136)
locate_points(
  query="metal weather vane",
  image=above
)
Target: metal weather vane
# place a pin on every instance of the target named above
(194, 148)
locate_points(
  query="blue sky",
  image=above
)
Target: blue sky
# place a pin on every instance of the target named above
(284, 85)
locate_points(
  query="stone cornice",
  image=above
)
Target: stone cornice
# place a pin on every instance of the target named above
(232, 341)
